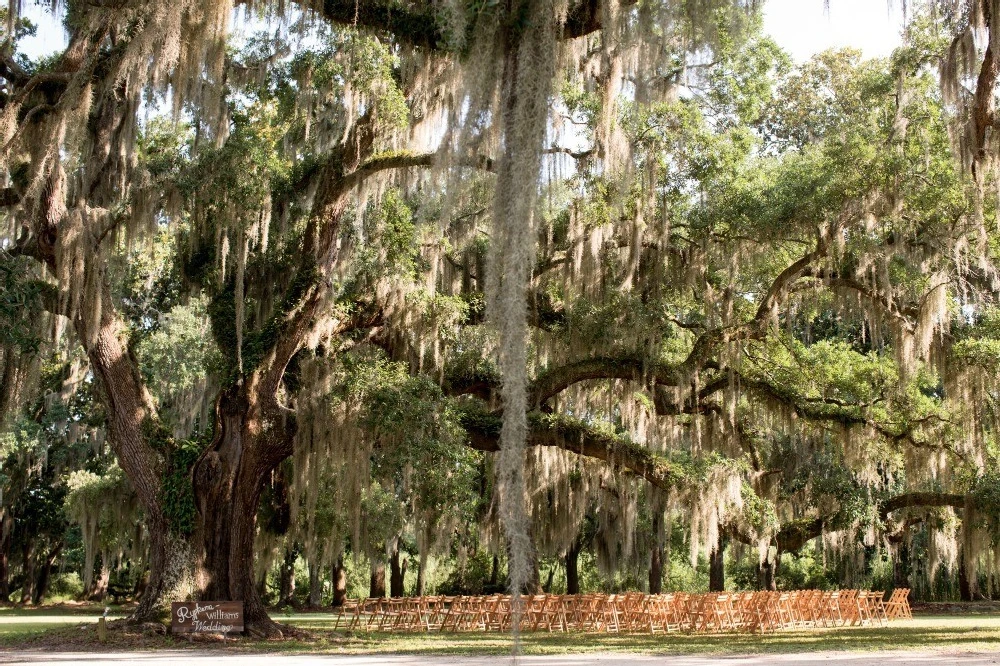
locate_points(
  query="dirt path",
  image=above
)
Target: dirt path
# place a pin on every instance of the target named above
(183, 657)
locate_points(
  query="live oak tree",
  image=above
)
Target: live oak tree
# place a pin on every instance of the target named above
(626, 235)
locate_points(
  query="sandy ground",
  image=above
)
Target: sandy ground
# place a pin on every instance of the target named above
(172, 658)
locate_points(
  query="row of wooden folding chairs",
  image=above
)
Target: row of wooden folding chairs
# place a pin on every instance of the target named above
(631, 612)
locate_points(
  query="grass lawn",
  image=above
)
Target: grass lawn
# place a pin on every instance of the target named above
(60, 628)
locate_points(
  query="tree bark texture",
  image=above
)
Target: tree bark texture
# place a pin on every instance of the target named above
(656, 570)
(315, 586)
(250, 441)
(338, 577)
(573, 569)
(397, 574)
(767, 572)
(376, 587)
(45, 574)
(717, 567)
(27, 572)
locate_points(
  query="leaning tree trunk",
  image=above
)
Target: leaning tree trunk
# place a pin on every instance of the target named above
(131, 415)
(132, 422)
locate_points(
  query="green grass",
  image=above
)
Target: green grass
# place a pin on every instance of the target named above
(57, 628)
(18, 624)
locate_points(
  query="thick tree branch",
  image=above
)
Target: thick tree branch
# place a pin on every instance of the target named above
(797, 533)
(570, 435)
(555, 380)
(984, 102)
(415, 23)
(910, 500)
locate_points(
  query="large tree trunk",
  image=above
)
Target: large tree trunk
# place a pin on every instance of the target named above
(573, 569)
(965, 588)
(338, 578)
(45, 575)
(901, 565)
(717, 567)
(397, 574)
(100, 589)
(4, 562)
(250, 441)
(376, 586)
(656, 570)
(315, 586)
(767, 572)
(27, 572)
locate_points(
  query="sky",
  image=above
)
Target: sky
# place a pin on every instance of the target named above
(805, 27)
(801, 27)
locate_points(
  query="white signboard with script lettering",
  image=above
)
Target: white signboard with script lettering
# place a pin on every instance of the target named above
(211, 617)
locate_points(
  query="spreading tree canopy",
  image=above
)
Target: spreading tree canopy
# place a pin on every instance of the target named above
(504, 272)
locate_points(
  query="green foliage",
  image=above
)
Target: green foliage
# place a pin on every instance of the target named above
(104, 506)
(805, 570)
(176, 357)
(421, 454)
(20, 304)
(177, 493)
(985, 497)
(388, 245)
(738, 167)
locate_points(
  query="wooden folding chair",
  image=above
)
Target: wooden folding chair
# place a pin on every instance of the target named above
(452, 619)
(702, 610)
(849, 607)
(434, 611)
(831, 609)
(660, 613)
(876, 605)
(761, 612)
(742, 605)
(809, 608)
(633, 611)
(585, 612)
(349, 612)
(864, 611)
(898, 606)
(786, 612)
(610, 609)
(476, 612)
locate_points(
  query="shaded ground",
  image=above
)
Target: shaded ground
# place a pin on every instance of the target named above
(47, 634)
(173, 658)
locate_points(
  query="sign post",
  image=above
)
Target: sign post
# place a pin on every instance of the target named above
(206, 617)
